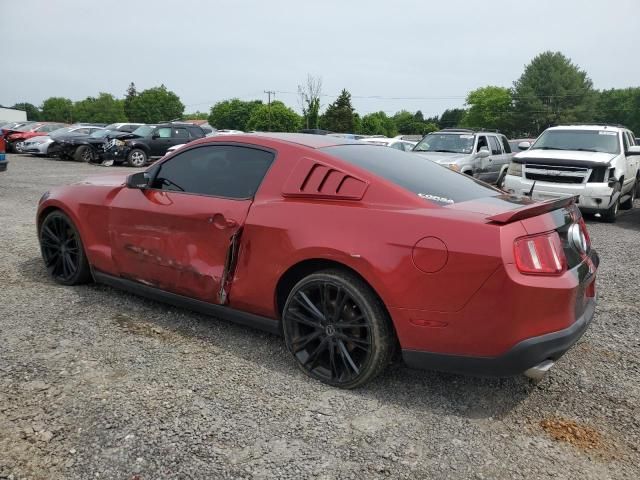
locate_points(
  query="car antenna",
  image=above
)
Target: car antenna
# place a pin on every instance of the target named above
(530, 194)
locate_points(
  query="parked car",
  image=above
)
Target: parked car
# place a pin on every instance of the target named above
(459, 277)
(401, 145)
(315, 131)
(410, 138)
(13, 127)
(521, 144)
(4, 163)
(598, 163)
(16, 138)
(124, 127)
(150, 141)
(82, 148)
(39, 146)
(482, 154)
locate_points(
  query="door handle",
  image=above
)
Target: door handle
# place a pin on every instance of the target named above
(221, 222)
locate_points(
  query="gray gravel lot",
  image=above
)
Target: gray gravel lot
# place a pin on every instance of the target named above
(97, 383)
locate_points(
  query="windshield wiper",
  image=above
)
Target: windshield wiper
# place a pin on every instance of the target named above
(549, 148)
(586, 150)
(443, 151)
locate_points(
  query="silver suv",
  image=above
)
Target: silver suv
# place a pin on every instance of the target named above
(482, 154)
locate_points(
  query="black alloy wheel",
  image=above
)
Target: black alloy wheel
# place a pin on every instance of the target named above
(337, 330)
(84, 154)
(62, 250)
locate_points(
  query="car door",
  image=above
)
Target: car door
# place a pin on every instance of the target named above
(179, 135)
(160, 141)
(496, 160)
(631, 169)
(481, 168)
(177, 233)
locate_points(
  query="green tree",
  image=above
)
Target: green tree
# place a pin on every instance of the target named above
(378, 124)
(232, 114)
(33, 113)
(155, 105)
(410, 124)
(552, 90)
(130, 95)
(339, 116)
(619, 105)
(275, 118)
(451, 117)
(104, 109)
(57, 109)
(489, 107)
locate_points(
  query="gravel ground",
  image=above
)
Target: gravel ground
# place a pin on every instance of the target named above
(97, 383)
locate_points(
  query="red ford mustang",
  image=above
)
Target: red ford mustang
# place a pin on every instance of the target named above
(348, 250)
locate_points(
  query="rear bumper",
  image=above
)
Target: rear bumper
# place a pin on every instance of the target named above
(517, 360)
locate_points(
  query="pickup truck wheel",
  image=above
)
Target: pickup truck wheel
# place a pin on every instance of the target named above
(500, 182)
(628, 204)
(83, 154)
(337, 329)
(136, 158)
(610, 215)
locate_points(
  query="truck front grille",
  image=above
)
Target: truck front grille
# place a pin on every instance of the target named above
(555, 173)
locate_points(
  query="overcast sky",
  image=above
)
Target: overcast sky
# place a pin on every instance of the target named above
(206, 51)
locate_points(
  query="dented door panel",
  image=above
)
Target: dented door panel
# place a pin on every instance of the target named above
(174, 241)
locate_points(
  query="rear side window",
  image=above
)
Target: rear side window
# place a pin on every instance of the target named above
(219, 171)
(505, 144)
(180, 133)
(415, 173)
(495, 146)
(196, 132)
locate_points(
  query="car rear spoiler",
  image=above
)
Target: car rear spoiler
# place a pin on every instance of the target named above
(532, 210)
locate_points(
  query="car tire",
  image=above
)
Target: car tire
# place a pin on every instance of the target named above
(84, 154)
(62, 250)
(610, 215)
(337, 329)
(628, 203)
(16, 148)
(137, 158)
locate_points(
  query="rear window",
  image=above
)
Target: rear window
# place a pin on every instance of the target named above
(414, 173)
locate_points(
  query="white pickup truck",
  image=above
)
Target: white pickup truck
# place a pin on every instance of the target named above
(599, 163)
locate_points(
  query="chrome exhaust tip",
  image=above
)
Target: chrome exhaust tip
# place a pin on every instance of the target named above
(537, 372)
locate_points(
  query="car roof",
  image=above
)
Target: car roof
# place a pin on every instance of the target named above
(304, 139)
(595, 126)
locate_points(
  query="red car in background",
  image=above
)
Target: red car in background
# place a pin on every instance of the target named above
(348, 250)
(14, 137)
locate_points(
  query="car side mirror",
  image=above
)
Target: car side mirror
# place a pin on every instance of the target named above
(524, 145)
(633, 150)
(154, 136)
(483, 153)
(139, 181)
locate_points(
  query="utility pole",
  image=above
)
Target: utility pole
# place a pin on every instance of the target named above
(269, 93)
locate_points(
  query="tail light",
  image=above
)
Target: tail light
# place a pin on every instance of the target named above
(540, 254)
(585, 232)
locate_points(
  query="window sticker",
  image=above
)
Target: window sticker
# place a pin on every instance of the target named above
(604, 132)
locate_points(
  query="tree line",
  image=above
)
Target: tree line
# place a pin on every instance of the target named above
(551, 90)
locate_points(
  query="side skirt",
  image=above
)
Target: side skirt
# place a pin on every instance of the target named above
(243, 318)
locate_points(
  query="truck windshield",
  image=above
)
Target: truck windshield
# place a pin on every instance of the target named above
(605, 141)
(446, 142)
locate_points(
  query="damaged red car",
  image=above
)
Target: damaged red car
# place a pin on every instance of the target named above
(350, 251)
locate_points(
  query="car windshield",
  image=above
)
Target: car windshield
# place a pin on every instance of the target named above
(144, 130)
(100, 133)
(414, 173)
(605, 141)
(446, 142)
(113, 126)
(26, 128)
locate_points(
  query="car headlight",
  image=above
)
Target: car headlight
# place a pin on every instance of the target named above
(454, 166)
(515, 169)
